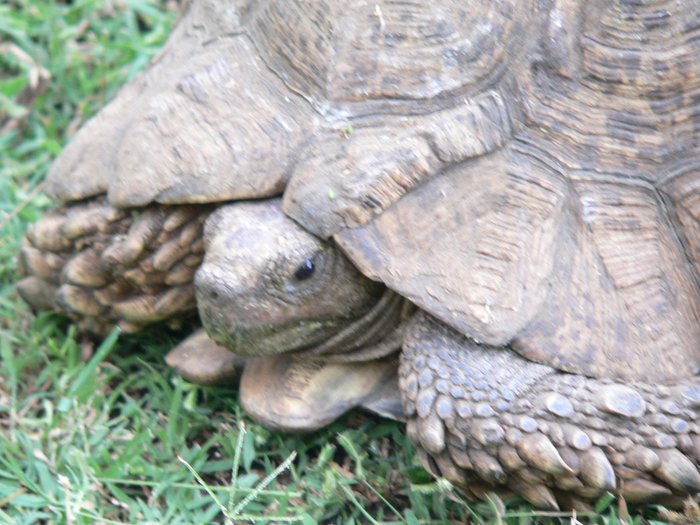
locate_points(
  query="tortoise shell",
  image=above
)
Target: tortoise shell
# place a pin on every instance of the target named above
(242, 90)
(576, 241)
(526, 173)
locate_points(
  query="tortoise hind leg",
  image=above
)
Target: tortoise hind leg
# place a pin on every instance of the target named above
(554, 438)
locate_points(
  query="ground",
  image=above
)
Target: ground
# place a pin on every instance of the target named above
(106, 433)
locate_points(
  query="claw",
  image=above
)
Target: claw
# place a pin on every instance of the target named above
(431, 433)
(78, 301)
(641, 490)
(538, 451)
(538, 495)
(596, 470)
(678, 471)
(487, 467)
(37, 292)
(643, 459)
(86, 269)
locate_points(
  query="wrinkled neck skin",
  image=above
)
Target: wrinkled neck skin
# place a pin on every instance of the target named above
(268, 287)
(376, 334)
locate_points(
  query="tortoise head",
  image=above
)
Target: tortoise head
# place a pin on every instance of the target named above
(267, 286)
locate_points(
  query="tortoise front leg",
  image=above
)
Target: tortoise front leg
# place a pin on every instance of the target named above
(484, 413)
(103, 266)
(200, 360)
(295, 394)
(291, 392)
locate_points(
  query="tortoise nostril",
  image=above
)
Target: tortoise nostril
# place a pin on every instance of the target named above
(206, 285)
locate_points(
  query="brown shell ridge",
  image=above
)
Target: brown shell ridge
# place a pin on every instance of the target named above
(682, 187)
(390, 57)
(279, 24)
(479, 253)
(633, 140)
(225, 117)
(630, 296)
(85, 167)
(646, 47)
(618, 290)
(199, 125)
(82, 169)
(632, 106)
(346, 179)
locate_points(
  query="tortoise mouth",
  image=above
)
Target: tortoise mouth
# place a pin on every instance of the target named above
(269, 339)
(374, 334)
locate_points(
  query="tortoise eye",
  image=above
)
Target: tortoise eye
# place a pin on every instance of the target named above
(305, 270)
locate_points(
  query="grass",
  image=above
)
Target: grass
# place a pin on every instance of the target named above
(118, 438)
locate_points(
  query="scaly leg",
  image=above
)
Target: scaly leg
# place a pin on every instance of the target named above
(487, 416)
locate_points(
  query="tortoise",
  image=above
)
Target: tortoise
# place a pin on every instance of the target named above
(481, 415)
(524, 174)
(199, 127)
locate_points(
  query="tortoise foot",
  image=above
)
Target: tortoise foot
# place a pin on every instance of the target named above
(554, 438)
(37, 293)
(386, 400)
(102, 266)
(298, 395)
(200, 360)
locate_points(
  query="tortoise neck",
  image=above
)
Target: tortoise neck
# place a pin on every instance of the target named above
(376, 334)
